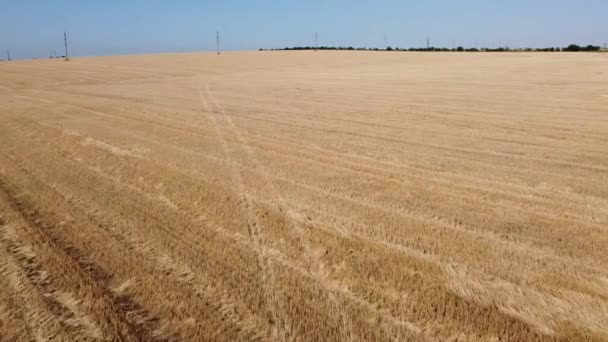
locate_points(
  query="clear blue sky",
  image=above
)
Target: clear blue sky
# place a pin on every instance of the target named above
(31, 28)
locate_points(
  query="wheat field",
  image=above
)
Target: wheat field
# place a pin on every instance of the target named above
(305, 196)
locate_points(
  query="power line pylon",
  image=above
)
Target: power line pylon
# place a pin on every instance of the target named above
(65, 40)
(218, 41)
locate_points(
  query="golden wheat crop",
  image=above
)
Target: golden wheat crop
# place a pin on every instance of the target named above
(341, 196)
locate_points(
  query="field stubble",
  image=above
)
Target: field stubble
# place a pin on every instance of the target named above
(305, 196)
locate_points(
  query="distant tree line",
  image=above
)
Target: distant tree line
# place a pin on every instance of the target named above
(574, 48)
(569, 48)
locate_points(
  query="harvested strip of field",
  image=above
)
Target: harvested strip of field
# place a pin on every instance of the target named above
(305, 196)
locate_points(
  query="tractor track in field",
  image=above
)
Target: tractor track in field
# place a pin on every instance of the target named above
(131, 318)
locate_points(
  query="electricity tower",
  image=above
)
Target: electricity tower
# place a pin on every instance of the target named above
(218, 41)
(65, 41)
(8, 54)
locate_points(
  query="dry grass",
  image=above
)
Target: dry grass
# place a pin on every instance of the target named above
(305, 196)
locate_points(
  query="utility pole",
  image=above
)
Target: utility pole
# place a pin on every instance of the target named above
(8, 54)
(428, 43)
(385, 40)
(316, 41)
(65, 40)
(218, 41)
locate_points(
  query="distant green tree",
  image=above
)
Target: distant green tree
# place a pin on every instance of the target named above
(592, 48)
(572, 48)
